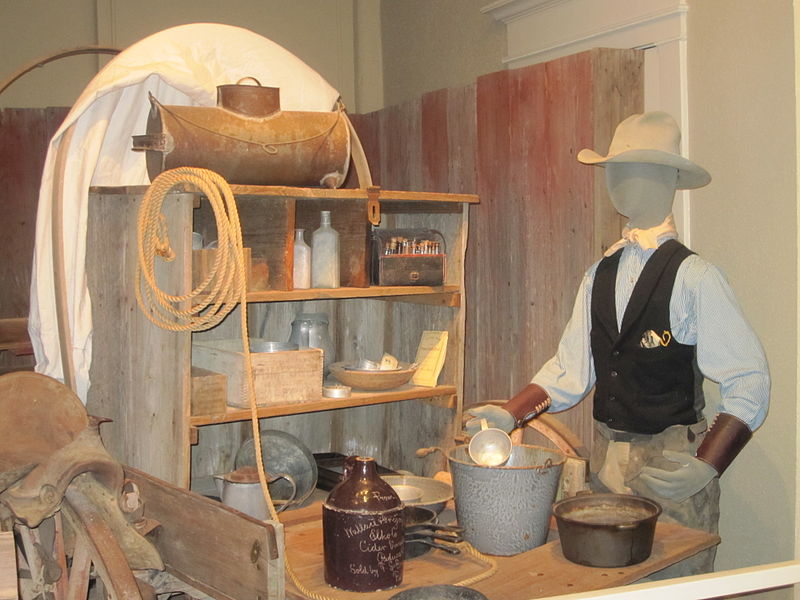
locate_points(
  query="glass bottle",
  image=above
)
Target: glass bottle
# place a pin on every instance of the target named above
(363, 532)
(325, 254)
(301, 274)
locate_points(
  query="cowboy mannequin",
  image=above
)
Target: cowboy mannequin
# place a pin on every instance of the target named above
(651, 319)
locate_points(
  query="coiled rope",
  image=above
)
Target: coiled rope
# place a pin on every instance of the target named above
(214, 298)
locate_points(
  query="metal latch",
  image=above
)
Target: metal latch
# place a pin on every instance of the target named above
(373, 205)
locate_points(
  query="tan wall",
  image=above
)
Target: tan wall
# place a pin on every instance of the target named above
(320, 32)
(429, 45)
(742, 122)
(32, 29)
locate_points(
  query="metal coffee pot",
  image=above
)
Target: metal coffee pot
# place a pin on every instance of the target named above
(241, 489)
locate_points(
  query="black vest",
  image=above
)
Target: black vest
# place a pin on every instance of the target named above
(642, 389)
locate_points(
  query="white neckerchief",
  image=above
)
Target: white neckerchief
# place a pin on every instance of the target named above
(647, 239)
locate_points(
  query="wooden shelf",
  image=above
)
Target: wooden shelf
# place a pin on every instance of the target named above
(162, 436)
(447, 295)
(406, 392)
(281, 191)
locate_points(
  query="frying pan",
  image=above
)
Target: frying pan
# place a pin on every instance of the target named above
(421, 529)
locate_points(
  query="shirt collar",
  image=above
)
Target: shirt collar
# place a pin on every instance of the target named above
(647, 239)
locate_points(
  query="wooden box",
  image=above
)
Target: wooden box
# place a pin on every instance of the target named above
(349, 219)
(209, 391)
(289, 377)
(256, 269)
(407, 257)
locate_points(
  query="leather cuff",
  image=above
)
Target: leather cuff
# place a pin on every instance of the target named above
(723, 442)
(528, 403)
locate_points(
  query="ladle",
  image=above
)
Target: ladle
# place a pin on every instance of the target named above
(490, 447)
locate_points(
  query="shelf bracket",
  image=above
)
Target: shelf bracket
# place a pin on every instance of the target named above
(373, 205)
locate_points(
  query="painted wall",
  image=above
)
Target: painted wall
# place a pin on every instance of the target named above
(432, 45)
(322, 33)
(742, 119)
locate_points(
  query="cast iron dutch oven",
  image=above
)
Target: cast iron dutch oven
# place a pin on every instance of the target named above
(606, 530)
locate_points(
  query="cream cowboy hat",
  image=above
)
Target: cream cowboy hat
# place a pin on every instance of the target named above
(652, 137)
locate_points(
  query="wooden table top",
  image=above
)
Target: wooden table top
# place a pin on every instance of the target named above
(8, 567)
(538, 573)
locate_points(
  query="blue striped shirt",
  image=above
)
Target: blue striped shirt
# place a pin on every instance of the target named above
(703, 312)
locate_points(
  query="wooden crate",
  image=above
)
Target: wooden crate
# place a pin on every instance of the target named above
(256, 269)
(267, 230)
(268, 226)
(280, 377)
(349, 219)
(209, 392)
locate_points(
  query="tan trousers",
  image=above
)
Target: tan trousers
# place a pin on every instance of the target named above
(616, 462)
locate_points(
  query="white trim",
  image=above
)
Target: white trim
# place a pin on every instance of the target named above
(615, 29)
(511, 10)
(542, 30)
(700, 587)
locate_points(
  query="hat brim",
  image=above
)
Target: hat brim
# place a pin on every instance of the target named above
(690, 174)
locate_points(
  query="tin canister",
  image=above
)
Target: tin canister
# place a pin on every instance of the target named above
(363, 531)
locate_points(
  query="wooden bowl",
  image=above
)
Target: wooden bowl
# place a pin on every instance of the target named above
(372, 380)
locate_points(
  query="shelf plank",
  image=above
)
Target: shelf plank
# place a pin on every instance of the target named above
(447, 295)
(14, 336)
(8, 567)
(406, 392)
(282, 191)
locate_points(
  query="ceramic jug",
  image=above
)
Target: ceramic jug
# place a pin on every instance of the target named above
(363, 531)
(241, 490)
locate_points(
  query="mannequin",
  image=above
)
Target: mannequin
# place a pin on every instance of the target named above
(650, 321)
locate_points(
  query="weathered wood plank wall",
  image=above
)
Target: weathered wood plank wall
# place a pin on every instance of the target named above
(512, 137)
(24, 137)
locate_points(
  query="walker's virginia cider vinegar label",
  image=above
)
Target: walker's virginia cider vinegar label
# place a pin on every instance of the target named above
(363, 551)
(363, 531)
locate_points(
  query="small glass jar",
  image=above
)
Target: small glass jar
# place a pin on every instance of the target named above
(310, 330)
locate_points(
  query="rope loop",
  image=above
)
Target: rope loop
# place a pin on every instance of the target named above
(225, 285)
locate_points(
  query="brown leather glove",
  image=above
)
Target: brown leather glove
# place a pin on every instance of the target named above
(528, 403)
(723, 442)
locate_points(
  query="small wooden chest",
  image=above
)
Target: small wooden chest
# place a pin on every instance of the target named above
(408, 257)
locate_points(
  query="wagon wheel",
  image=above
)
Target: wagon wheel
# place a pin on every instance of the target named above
(71, 550)
(556, 432)
(575, 473)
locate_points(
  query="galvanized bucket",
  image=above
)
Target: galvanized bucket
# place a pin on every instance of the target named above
(506, 510)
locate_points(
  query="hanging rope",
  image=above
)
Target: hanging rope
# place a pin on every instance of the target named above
(212, 300)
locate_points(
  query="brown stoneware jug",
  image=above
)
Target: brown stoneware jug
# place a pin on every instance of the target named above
(363, 531)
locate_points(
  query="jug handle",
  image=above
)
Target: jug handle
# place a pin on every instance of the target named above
(292, 496)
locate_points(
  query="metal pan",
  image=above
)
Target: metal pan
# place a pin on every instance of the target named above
(421, 529)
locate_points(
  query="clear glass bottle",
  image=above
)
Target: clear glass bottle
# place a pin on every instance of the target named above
(325, 254)
(302, 262)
